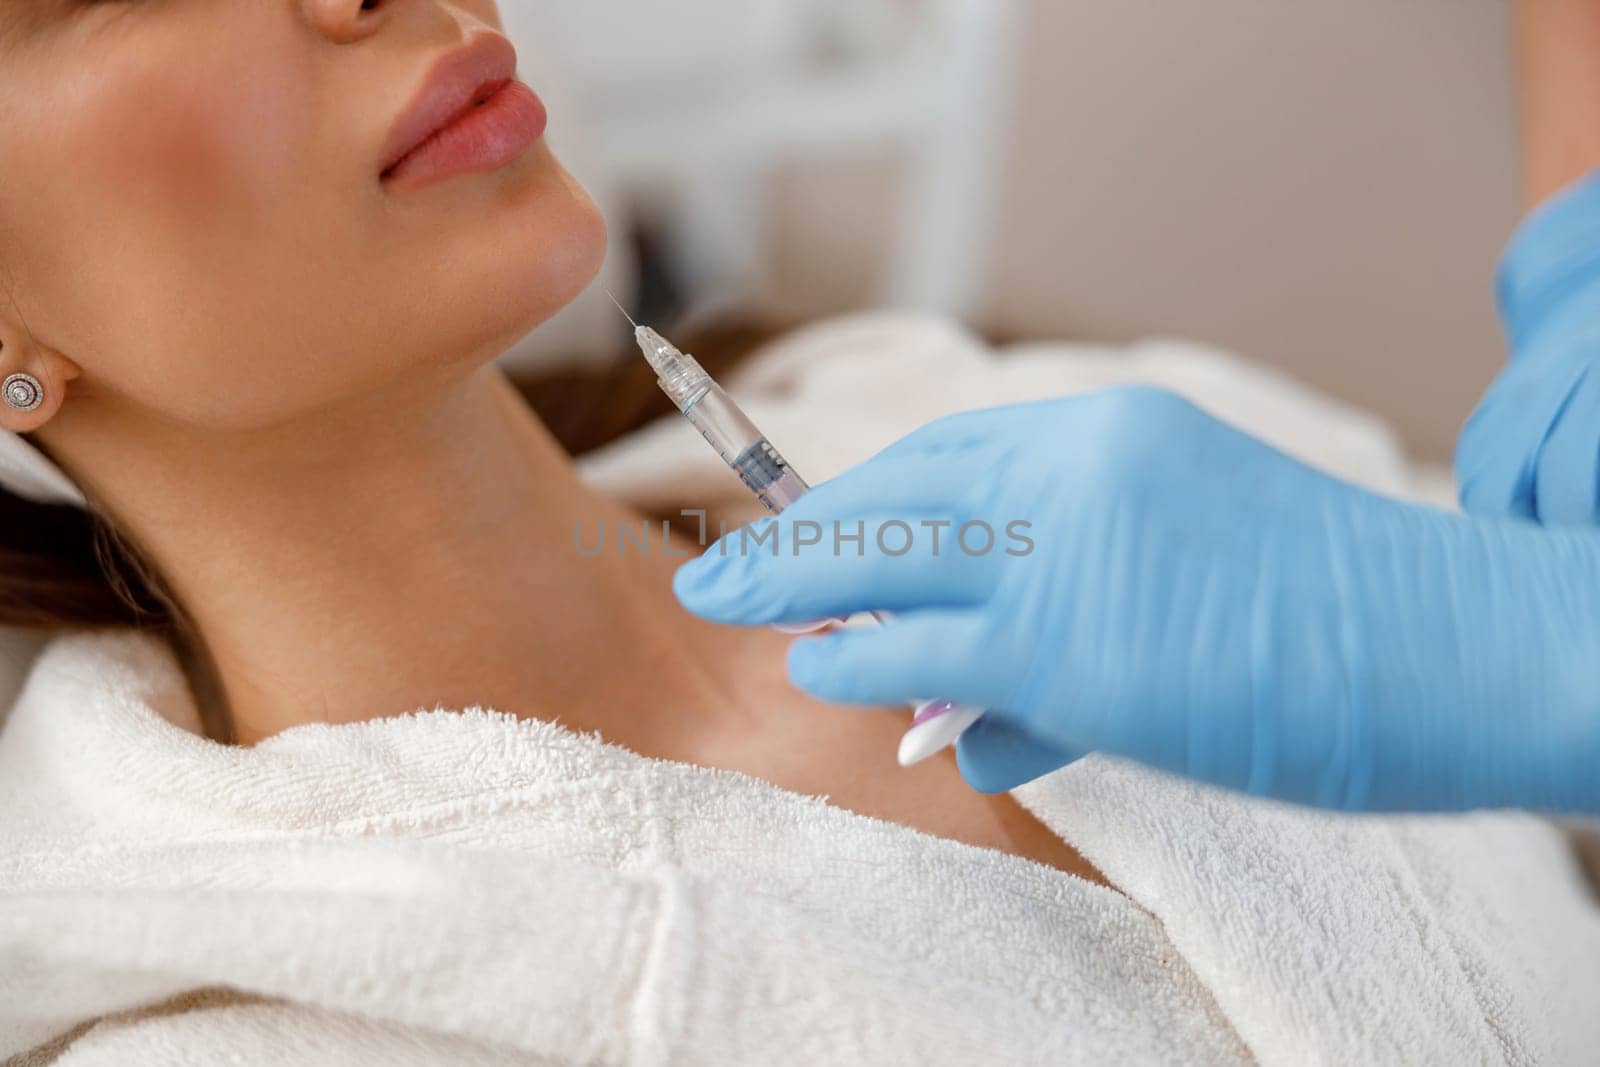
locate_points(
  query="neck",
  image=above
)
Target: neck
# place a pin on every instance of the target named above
(413, 551)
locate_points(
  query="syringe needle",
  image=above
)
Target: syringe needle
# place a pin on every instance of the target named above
(622, 309)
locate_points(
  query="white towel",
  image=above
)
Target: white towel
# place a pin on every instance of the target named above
(831, 395)
(466, 887)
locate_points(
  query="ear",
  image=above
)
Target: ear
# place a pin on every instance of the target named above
(19, 353)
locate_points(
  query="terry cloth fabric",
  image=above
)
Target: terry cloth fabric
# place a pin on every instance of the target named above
(461, 886)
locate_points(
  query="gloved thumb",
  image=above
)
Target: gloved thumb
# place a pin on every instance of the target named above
(995, 756)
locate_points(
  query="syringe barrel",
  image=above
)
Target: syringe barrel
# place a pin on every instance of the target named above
(768, 475)
(758, 464)
(743, 447)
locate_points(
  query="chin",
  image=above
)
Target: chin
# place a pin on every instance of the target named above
(538, 247)
(546, 248)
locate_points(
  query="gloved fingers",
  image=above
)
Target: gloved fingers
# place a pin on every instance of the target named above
(924, 656)
(1496, 459)
(910, 485)
(788, 571)
(1494, 455)
(1567, 471)
(951, 433)
(996, 756)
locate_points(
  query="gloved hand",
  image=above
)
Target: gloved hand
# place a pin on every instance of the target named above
(1163, 587)
(1532, 447)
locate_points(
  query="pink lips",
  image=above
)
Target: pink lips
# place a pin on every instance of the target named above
(470, 114)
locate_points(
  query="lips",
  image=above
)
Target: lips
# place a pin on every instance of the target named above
(458, 83)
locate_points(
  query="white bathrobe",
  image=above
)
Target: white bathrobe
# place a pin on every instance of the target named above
(468, 888)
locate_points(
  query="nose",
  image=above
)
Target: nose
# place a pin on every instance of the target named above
(344, 21)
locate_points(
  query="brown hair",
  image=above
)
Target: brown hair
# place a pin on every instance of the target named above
(64, 568)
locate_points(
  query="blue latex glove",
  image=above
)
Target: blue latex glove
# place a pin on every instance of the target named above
(1532, 448)
(1193, 600)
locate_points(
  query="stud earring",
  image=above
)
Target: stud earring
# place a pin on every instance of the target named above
(22, 392)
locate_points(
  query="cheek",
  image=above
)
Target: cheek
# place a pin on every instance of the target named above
(166, 187)
(159, 144)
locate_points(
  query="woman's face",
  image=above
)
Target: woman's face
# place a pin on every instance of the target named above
(192, 212)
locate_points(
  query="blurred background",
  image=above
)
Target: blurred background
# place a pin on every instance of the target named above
(1323, 187)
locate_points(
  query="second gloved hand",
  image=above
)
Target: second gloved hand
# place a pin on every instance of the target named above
(1120, 572)
(1532, 447)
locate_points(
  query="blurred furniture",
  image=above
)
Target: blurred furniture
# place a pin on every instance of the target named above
(692, 107)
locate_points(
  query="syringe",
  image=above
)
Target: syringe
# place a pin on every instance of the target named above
(937, 723)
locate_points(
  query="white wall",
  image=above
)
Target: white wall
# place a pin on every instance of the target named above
(1322, 184)
(1319, 184)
